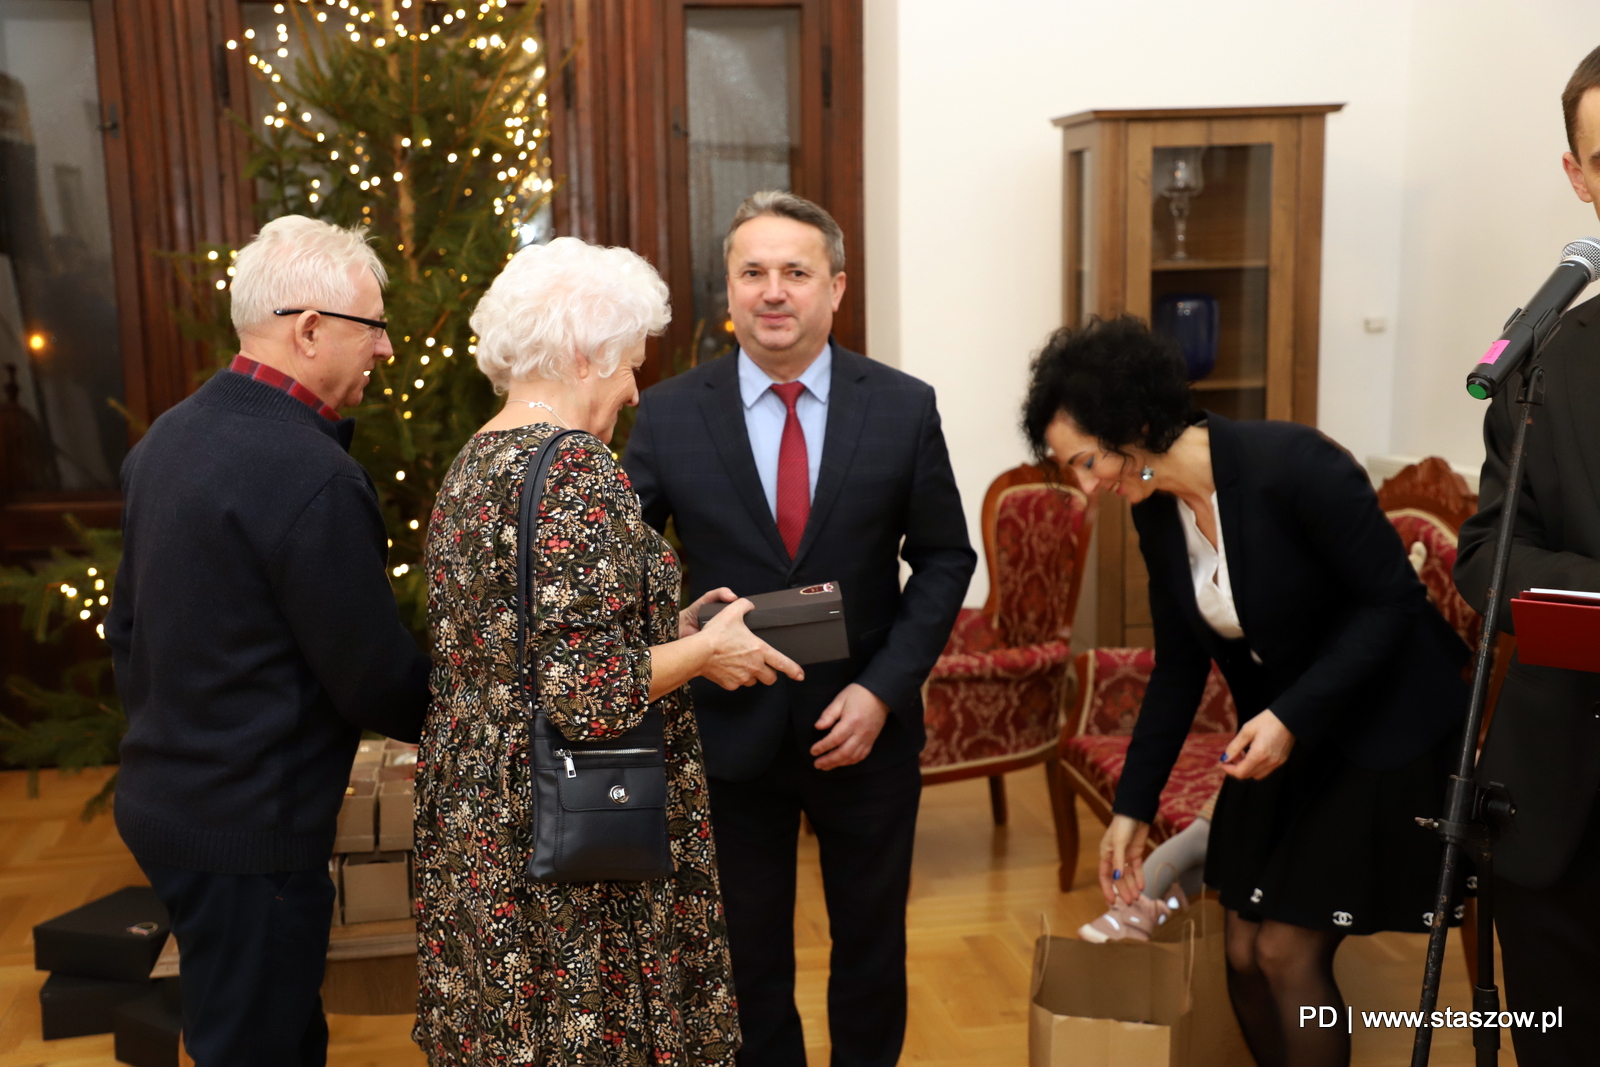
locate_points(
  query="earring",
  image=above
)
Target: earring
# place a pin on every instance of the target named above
(1148, 474)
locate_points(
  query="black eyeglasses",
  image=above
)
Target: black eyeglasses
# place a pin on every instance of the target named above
(376, 324)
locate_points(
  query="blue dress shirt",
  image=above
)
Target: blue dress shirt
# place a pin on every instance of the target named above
(765, 413)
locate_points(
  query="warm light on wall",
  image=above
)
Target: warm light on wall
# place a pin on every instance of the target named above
(36, 342)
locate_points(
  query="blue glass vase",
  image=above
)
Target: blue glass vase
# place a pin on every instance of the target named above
(1193, 321)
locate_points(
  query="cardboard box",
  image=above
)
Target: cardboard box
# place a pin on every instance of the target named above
(117, 937)
(396, 816)
(358, 818)
(74, 1007)
(375, 887)
(148, 1029)
(806, 624)
(1135, 1004)
(369, 753)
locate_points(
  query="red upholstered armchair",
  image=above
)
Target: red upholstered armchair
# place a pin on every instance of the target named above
(995, 698)
(1094, 746)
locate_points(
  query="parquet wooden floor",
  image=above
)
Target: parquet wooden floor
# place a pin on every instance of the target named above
(976, 899)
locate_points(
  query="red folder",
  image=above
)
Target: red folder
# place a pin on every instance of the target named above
(1558, 628)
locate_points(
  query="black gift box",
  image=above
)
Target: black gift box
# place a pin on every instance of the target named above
(805, 624)
(73, 1007)
(147, 1029)
(117, 937)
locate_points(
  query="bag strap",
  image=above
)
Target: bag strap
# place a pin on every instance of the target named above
(527, 522)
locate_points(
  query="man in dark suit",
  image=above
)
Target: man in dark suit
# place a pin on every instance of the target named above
(1544, 743)
(792, 463)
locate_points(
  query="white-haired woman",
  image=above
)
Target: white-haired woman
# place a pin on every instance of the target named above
(515, 971)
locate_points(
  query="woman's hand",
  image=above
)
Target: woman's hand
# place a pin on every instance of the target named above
(736, 657)
(689, 617)
(1122, 859)
(1264, 742)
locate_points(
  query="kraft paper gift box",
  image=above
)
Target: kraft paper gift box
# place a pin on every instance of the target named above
(375, 887)
(117, 937)
(399, 761)
(1157, 1003)
(369, 752)
(357, 817)
(395, 816)
(806, 624)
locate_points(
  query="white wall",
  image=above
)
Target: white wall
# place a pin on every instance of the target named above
(1486, 208)
(975, 183)
(1445, 203)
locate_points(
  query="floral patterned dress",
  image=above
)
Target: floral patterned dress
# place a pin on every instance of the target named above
(518, 972)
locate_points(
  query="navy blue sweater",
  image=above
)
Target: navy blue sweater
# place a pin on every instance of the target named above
(253, 630)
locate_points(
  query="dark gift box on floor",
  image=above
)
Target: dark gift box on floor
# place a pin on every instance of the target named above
(74, 1007)
(147, 1029)
(805, 624)
(117, 937)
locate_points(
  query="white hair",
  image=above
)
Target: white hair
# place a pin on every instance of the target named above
(296, 262)
(556, 301)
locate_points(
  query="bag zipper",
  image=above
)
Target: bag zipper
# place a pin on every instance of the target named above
(565, 755)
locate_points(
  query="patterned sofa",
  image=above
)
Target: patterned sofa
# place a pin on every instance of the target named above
(1427, 502)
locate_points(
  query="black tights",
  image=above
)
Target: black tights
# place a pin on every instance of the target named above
(1273, 970)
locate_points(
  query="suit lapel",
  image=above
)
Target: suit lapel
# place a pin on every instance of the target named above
(1581, 376)
(1166, 525)
(847, 412)
(1225, 456)
(724, 414)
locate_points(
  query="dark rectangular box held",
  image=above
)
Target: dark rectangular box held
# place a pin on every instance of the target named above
(75, 1007)
(117, 937)
(806, 624)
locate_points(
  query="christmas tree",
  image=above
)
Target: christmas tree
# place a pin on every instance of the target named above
(428, 126)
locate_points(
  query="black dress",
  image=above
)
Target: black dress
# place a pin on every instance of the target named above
(1341, 643)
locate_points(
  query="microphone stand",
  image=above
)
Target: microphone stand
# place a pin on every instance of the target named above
(1470, 812)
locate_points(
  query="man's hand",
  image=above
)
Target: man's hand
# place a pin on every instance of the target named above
(1265, 743)
(853, 721)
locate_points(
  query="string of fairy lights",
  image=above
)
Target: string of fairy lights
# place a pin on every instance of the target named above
(521, 175)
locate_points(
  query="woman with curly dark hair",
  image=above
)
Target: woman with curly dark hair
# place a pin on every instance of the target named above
(1267, 553)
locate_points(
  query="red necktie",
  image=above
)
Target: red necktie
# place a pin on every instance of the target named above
(794, 472)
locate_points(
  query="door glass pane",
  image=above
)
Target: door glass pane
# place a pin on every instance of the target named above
(742, 66)
(1210, 216)
(60, 360)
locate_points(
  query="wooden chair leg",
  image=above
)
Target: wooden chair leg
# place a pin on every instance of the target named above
(997, 798)
(1469, 937)
(1064, 808)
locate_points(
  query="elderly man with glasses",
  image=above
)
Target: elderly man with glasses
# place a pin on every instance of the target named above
(255, 635)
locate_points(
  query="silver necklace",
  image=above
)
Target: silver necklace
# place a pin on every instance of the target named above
(541, 404)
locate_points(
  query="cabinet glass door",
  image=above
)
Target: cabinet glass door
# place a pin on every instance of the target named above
(1210, 219)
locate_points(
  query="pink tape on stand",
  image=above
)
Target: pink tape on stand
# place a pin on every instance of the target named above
(1494, 352)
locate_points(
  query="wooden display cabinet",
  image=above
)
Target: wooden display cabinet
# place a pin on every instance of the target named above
(1250, 240)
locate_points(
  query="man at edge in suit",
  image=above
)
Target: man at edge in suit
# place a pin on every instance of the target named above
(1544, 743)
(792, 463)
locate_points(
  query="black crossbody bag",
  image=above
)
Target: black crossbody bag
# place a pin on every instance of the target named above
(599, 807)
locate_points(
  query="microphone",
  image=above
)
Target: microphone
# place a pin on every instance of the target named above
(1530, 327)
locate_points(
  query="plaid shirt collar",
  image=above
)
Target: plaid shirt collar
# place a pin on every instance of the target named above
(278, 380)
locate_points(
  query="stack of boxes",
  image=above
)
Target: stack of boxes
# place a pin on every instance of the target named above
(99, 957)
(372, 852)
